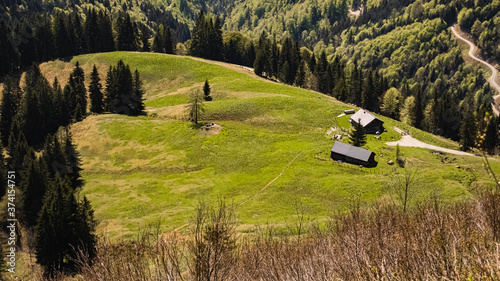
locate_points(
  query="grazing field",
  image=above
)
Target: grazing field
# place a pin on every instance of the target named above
(141, 169)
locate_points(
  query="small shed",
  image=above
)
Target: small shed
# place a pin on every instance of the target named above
(349, 111)
(369, 121)
(352, 154)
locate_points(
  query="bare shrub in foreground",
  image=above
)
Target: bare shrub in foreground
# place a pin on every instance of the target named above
(431, 241)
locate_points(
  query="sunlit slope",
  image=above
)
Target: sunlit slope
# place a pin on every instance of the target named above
(140, 169)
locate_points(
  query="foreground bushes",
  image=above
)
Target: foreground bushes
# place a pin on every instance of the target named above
(432, 242)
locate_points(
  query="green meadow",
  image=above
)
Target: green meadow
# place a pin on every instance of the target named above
(138, 170)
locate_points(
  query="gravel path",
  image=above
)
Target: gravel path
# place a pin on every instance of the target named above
(409, 141)
(494, 72)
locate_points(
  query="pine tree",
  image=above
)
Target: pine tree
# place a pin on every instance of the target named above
(124, 93)
(368, 99)
(35, 111)
(8, 109)
(79, 90)
(137, 104)
(419, 105)
(96, 97)
(357, 134)
(9, 54)
(17, 146)
(111, 89)
(73, 160)
(125, 38)
(34, 183)
(169, 41)
(64, 227)
(216, 43)
(45, 42)
(91, 31)
(199, 38)
(158, 40)
(27, 46)
(301, 75)
(86, 227)
(63, 42)
(106, 42)
(56, 228)
(195, 107)
(206, 91)
(146, 47)
(77, 34)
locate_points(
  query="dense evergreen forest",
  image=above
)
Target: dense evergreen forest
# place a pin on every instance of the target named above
(404, 46)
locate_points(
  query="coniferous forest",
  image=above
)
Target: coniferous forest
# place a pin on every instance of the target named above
(395, 58)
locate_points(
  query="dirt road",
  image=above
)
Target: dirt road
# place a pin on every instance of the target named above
(492, 79)
(409, 141)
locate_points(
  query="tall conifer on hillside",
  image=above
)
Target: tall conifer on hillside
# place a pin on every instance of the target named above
(206, 91)
(64, 226)
(357, 134)
(125, 34)
(124, 92)
(96, 97)
(11, 96)
(34, 184)
(169, 41)
(137, 98)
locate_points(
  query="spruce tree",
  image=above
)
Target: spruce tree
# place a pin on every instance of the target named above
(96, 97)
(125, 38)
(27, 46)
(18, 148)
(199, 38)
(106, 42)
(168, 41)
(146, 47)
(64, 227)
(8, 109)
(34, 183)
(9, 54)
(158, 40)
(206, 91)
(63, 42)
(91, 31)
(73, 160)
(45, 42)
(357, 134)
(419, 106)
(137, 99)
(111, 89)
(79, 88)
(33, 114)
(56, 228)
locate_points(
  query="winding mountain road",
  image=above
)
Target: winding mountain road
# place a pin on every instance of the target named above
(494, 72)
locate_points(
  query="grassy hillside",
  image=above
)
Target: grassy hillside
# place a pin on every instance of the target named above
(140, 169)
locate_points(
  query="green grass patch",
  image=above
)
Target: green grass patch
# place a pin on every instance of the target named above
(141, 169)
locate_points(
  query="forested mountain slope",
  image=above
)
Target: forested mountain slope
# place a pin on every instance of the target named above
(402, 46)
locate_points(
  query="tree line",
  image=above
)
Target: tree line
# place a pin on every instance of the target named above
(48, 36)
(34, 130)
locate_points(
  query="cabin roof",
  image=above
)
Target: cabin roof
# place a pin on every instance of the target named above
(352, 151)
(365, 116)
